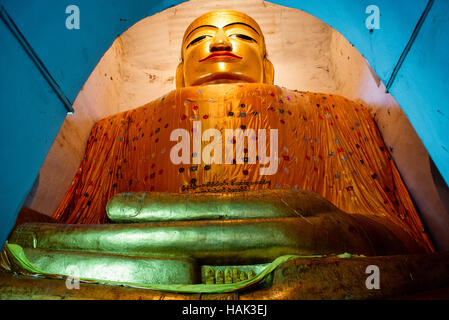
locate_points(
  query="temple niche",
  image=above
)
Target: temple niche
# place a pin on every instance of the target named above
(381, 204)
(308, 55)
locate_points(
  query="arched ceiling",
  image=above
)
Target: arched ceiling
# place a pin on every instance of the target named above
(44, 65)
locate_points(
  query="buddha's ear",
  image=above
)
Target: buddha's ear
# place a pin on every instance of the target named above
(180, 76)
(268, 71)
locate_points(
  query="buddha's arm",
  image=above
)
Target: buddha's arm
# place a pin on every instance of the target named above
(160, 206)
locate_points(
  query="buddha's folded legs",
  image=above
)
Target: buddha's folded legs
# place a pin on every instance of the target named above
(113, 267)
(236, 241)
(206, 236)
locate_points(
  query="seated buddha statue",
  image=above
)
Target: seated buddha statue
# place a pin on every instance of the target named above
(225, 174)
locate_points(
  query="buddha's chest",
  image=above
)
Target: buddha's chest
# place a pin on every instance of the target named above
(210, 140)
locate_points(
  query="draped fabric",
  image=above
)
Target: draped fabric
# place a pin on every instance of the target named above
(326, 144)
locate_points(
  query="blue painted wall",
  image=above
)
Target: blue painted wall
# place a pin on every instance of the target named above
(32, 113)
(71, 55)
(422, 81)
(422, 85)
(382, 47)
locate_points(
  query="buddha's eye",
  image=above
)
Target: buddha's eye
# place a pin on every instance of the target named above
(197, 40)
(243, 36)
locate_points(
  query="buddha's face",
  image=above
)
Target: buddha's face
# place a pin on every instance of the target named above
(223, 46)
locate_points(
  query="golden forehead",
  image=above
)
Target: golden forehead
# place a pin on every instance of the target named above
(221, 18)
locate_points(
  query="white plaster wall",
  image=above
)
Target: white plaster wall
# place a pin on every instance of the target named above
(355, 80)
(307, 54)
(98, 97)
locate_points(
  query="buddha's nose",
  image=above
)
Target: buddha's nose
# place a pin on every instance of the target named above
(220, 42)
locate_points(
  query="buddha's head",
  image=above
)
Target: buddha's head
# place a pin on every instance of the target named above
(223, 46)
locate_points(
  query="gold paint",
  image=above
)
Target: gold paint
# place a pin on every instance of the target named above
(223, 46)
(114, 267)
(132, 207)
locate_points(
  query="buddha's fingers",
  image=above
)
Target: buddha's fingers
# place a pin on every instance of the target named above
(161, 206)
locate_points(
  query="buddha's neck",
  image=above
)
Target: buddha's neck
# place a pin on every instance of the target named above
(221, 81)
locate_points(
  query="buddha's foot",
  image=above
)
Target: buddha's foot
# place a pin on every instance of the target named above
(229, 274)
(107, 267)
(302, 278)
(123, 269)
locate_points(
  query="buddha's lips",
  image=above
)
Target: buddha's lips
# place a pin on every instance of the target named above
(217, 55)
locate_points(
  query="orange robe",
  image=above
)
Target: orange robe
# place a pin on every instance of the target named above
(326, 144)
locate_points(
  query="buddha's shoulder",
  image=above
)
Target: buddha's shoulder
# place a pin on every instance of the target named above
(243, 89)
(217, 94)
